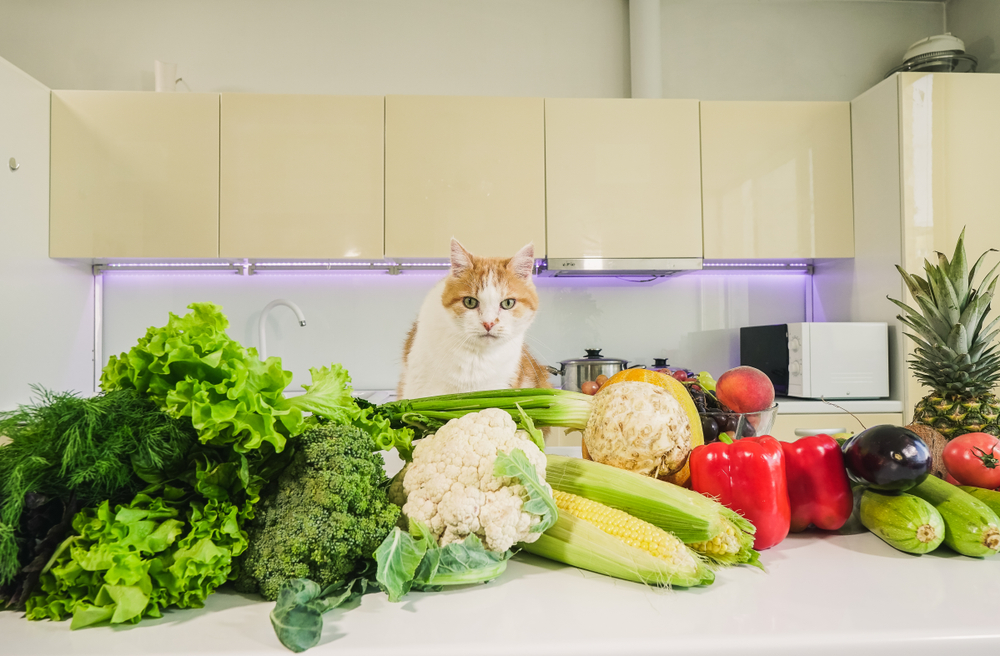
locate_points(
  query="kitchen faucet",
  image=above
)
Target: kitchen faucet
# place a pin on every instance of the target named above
(261, 342)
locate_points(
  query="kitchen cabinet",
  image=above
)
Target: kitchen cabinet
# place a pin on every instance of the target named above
(926, 165)
(301, 176)
(472, 168)
(134, 174)
(622, 178)
(776, 180)
(789, 427)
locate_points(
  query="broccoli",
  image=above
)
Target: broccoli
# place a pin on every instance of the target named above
(324, 516)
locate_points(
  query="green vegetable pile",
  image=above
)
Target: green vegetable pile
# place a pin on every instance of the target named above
(117, 507)
(67, 452)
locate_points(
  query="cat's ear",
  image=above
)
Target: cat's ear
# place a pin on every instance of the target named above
(461, 259)
(523, 262)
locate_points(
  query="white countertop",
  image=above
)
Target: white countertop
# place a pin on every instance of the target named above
(792, 406)
(822, 594)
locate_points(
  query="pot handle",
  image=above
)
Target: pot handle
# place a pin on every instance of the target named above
(554, 371)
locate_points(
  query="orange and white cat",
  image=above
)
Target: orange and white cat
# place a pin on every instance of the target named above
(469, 334)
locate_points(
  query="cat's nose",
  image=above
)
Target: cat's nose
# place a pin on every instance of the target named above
(489, 324)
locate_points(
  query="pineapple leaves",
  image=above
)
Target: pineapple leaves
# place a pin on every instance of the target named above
(958, 270)
(958, 340)
(944, 294)
(931, 322)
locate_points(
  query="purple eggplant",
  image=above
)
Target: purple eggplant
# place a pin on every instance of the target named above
(887, 457)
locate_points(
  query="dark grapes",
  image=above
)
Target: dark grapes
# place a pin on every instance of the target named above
(710, 428)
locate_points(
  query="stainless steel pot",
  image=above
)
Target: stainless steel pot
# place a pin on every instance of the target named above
(575, 373)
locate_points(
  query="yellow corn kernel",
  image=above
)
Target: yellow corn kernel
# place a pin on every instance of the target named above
(722, 543)
(630, 530)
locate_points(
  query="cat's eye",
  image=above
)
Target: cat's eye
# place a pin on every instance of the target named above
(470, 302)
(507, 303)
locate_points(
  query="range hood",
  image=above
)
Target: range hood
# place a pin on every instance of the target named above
(654, 267)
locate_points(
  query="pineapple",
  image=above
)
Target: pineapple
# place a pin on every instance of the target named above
(954, 356)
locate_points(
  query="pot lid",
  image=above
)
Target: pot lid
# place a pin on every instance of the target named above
(594, 357)
(942, 53)
(937, 44)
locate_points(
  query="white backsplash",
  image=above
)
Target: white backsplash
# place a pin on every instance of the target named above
(361, 320)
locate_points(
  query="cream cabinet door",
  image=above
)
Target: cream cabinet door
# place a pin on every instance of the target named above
(950, 169)
(134, 175)
(622, 178)
(472, 168)
(776, 180)
(789, 428)
(301, 176)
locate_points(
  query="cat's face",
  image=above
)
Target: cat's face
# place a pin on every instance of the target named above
(492, 299)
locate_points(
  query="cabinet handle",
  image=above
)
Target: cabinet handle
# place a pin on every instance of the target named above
(806, 432)
(13, 164)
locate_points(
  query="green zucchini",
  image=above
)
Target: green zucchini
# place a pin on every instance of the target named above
(971, 528)
(903, 521)
(990, 497)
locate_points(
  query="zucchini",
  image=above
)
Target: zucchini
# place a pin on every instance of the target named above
(990, 497)
(971, 528)
(903, 521)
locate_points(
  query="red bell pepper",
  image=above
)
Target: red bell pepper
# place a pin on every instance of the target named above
(818, 488)
(748, 476)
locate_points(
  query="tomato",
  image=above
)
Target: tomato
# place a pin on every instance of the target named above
(680, 375)
(974, 459)
(589, 387)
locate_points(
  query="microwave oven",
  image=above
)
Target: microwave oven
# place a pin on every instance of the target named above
(828, 360)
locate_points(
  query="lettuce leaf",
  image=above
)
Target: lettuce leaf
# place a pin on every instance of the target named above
(192, 368)
(132, 561)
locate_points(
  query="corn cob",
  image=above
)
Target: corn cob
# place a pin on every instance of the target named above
(705, 525)
(592, 536)
(630, 530)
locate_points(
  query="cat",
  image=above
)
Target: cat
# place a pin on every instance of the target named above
(469, 333)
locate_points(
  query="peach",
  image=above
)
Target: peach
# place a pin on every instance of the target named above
(745, 389)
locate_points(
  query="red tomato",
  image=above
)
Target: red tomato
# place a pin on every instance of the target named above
(589, 387)
(680, 375)
(974, 459)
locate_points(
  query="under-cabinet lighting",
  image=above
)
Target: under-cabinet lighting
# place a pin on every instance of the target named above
(248, 267)
(230, 267)
(769, 267)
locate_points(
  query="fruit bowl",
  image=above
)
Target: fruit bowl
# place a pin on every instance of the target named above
(747, 424)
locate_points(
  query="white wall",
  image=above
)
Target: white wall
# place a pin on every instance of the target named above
(787, 49)
(46, 308)
(712, 49)
(977, 22)
(492, 47)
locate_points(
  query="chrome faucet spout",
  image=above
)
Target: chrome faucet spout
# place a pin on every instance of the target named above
(262, 321)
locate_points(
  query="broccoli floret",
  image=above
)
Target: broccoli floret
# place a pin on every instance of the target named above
(326, 512)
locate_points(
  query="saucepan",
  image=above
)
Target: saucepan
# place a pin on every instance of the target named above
(574, 373)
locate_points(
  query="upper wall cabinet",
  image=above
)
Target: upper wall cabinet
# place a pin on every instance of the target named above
(776, 180)
(301, 176)
(623, 178)
(134, 174)
(465, 167)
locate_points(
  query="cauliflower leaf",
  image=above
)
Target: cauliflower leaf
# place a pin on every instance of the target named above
(540, 501)
(414, 561)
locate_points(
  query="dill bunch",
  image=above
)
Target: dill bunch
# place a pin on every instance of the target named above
(104, 447)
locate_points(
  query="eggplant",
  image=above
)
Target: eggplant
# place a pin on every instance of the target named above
(887, 457)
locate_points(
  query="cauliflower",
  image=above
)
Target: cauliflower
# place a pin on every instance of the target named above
(450, 486)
